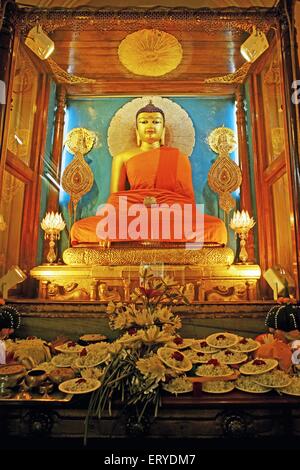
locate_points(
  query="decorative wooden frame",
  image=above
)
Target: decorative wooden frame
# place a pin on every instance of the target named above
(187, 19)
(266, 173)
(30, 174)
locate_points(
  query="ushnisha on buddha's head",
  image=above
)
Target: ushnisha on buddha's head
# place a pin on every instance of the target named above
(150, 127)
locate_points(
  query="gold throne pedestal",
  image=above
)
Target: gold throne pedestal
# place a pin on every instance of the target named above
(95, 274)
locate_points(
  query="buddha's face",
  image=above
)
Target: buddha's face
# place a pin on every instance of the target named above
(150, 127)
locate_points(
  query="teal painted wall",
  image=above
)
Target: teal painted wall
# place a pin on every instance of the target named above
(96, 113)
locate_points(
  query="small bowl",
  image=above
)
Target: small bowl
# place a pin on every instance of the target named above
(35, 377)
(14, 374)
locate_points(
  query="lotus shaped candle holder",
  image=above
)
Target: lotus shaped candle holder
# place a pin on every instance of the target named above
(241, 223)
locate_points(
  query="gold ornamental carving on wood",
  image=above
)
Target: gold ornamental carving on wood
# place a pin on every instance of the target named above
(134, 18)
(134, 257)
(224, 175)
(238, 76)
(78, 178)
(62, 76)
(150, 52)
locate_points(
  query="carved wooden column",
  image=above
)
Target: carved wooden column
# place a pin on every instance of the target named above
(52, 203)
(289, 70)
(6, 40)
(246, 202)
(59, 128)
(53, 195)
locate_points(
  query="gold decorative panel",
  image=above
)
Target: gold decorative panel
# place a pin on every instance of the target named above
(61, 76)
(78, 178)
(238, 76)
(134, 257)
(224, 175)
(138, 18)
(98, 283)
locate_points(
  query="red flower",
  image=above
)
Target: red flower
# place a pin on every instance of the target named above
(169, 378)
(228, 353)
(258, 362)
(150, 292)
(221, 337)
(203, 344)
(132, 331)
(178, 340)
(177, 356)
(214, 362)
(83, 352)
(71, 344)
(200, 354)
(80, 381)
(243, 341)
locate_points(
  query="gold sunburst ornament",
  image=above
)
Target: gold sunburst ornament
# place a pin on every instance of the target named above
(225, 175)
(150, 52)
(80, 140)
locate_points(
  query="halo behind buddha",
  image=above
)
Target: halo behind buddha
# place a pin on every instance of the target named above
(180, 132)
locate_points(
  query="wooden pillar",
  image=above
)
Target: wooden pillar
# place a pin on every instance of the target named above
(289, 70)
(295, 8)
(53, 195)
(59, 128)
(246, 202)
(6, 41)
(52, 201)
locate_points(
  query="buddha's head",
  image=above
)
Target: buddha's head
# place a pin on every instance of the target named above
(150, 125)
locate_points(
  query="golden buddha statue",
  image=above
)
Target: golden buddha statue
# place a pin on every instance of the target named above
(159, 177)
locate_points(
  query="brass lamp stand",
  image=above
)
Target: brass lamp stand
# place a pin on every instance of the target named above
(52, 224)
(241, 223)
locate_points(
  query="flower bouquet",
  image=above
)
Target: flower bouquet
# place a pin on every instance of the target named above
(139, 363)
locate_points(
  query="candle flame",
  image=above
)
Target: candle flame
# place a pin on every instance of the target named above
(53, 221)
(241, 220)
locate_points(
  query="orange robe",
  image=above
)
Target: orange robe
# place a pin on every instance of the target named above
(164, 174)
(275, 349)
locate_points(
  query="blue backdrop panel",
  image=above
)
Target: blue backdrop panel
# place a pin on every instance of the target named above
(95, 114)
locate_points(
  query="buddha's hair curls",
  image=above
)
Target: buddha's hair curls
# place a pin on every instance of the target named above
(150, 108)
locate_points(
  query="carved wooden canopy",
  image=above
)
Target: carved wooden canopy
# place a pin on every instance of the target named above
(87, 41)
